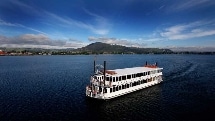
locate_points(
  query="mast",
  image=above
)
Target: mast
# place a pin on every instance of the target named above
(94, 66)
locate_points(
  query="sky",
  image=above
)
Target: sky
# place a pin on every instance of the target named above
(174, 24)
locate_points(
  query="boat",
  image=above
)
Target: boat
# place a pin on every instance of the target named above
(107, 84)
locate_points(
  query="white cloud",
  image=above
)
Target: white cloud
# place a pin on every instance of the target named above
(123, 42)
(4, 23)
(190, 30)
(25, 7)
(102, 23)
(184, 5)
(189, 4)
(99, 25)
(98, 28)
(38, 41)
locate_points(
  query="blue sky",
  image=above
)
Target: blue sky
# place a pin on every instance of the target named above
(139, 23)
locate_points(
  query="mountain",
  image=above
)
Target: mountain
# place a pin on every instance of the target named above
(103, 48)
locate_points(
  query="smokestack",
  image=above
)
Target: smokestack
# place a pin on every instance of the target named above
(146, 63)
(104, 71)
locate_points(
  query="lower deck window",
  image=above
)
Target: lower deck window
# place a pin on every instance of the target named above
(123, 86)
(119, 87)
(105, 90)
(100, 89)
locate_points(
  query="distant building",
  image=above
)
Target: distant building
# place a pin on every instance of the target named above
(2, 53)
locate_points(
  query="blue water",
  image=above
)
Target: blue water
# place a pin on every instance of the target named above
(53, 88)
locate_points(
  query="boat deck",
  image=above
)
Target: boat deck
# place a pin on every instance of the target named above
(119, 72)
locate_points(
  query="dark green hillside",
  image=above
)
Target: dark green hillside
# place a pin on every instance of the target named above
(103, 48)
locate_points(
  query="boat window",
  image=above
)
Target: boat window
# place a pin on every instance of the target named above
(114, 88)
(123, 77)
(144, 74)
(127, 85)
(107, 78)
(100, 89)
(128, 76)
(110, 90)
(110, 78)
(141, 74)
(148, 72)
(120, 78)
(105, 90)
(138, 75)
(113, 79)
(117, 78)
(117, 88)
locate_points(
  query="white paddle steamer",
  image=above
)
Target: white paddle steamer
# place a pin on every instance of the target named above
(107, 84)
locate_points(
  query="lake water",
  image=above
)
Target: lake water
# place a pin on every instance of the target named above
(53, 88)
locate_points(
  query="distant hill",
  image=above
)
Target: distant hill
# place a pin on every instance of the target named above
(103, 48)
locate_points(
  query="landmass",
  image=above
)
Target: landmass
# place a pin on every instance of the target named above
(93, 48)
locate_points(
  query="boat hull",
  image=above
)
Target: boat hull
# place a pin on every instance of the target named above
(123, 91)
